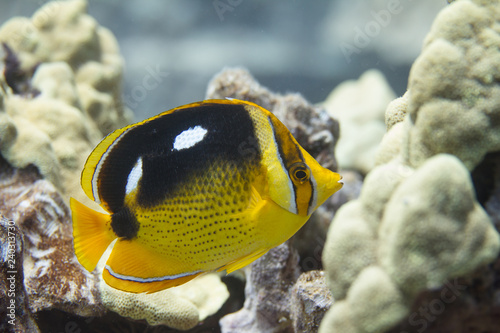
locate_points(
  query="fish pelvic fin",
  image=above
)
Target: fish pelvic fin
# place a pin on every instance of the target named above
(92, 234)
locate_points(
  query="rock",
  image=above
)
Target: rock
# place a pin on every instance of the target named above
(53, 278)
(14, 306)
(310, 300)
(267, 294)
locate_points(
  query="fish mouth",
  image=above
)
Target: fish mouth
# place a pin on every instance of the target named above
(335, 183)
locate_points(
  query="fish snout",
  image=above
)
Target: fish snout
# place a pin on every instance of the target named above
(336, 182)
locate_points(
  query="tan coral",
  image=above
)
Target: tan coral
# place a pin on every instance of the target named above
(360, 115)
(430, 233)
(417, 221)
(452, 86)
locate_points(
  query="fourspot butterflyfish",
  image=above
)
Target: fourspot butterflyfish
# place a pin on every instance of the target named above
(204, 187)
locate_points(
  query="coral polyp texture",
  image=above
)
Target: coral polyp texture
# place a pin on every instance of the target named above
(418, 223)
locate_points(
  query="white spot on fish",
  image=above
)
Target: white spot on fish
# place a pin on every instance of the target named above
(189, 137)
(134, 176)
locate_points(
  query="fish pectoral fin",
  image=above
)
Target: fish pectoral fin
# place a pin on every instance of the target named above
(255, 204)
(132, 267)
(242, 262)
(92, 234)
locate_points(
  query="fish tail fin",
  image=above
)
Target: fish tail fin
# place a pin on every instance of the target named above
(92, 234)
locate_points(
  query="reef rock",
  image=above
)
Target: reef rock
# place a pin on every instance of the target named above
(268, 290)
(15, 315)
(278, 298)
(418, 240)
(53, 278)
(309, 301)
(60, 90)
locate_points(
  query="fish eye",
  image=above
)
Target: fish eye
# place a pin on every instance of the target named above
(300, 172)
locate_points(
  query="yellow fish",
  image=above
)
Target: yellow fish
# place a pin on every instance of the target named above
(207, 186)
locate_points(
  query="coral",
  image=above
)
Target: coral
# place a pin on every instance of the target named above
(429, 233)
(396, 111)
(360, 115)
(453, 86)
(418, 223)
(60, 91)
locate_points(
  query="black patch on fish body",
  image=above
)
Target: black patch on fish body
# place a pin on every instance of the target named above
(124, 223)
(165, 169)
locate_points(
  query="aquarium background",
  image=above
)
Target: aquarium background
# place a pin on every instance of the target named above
(289, 46)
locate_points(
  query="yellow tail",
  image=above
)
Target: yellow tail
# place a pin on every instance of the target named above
(92, 234)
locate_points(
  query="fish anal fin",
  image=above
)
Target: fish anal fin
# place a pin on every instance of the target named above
(141, 287)
(132, 267)
(242, 262)
(92, 234)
